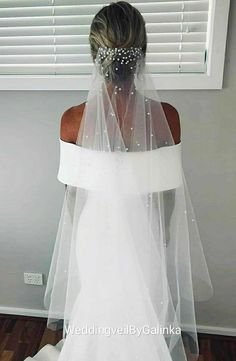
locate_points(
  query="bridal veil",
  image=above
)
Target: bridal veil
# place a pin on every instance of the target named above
(126, 159)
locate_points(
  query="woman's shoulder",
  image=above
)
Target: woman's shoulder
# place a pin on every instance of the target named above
(170, 111)
(167, 107)
(70, 123)
(71, 119)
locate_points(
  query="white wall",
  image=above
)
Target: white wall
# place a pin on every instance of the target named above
(31, 196)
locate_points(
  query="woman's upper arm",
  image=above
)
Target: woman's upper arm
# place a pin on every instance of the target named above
(66, 129)
(70, 123)
(67, 132)
(173, 119)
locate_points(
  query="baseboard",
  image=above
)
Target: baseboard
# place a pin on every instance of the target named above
(214, 330)
(23, 311)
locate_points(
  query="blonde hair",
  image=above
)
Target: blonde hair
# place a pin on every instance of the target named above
(117, 25)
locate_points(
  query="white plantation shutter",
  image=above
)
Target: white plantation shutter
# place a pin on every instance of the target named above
(50, 37)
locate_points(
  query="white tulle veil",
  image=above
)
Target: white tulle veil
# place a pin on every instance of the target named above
(132, 162)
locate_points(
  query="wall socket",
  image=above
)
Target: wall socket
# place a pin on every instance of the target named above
(33, 278)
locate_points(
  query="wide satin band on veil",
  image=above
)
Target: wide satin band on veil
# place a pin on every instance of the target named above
(128, 250)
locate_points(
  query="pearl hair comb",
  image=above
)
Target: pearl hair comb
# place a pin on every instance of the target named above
(122, 55)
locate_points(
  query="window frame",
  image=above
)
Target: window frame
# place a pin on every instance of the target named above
(212, 79)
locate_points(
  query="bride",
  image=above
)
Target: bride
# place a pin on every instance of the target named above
(128, 260)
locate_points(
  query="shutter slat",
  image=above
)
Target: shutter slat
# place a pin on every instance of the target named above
(80, 58)
(84, 29)
(26, 14)
(90, 6)
(81, 68)
(84, 49)
(136, 3)
(83, 39)
(38, 38)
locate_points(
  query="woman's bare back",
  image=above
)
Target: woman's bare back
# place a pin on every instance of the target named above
(71, 119)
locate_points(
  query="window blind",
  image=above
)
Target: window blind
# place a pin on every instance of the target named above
(51, 36)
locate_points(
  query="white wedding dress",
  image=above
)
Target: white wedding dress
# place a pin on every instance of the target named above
(112, 290)
(121, 284)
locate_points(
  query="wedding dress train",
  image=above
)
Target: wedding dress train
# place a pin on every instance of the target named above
(48, 353)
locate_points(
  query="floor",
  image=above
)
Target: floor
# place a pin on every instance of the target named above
(22, 336)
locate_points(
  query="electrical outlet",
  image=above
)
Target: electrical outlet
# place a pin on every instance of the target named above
(33, 278)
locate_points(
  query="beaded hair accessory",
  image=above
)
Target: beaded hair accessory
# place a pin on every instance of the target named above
(122, 55)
